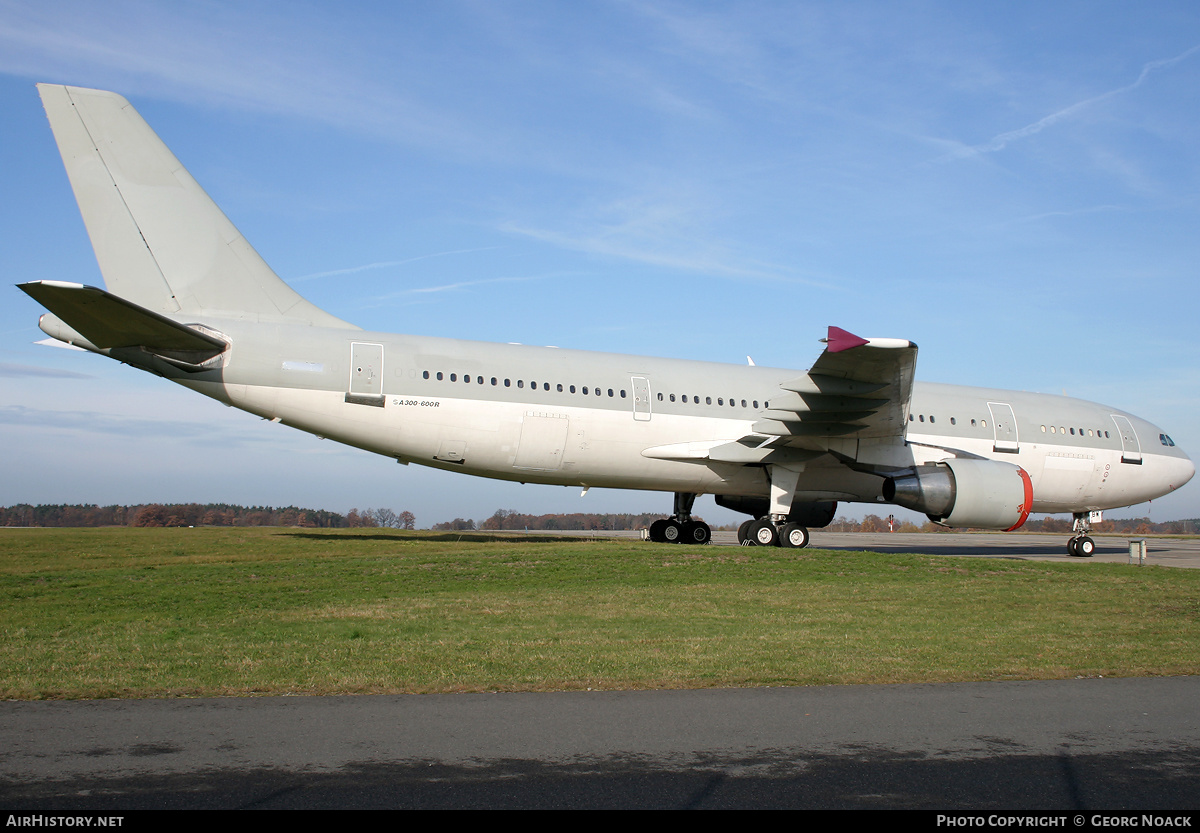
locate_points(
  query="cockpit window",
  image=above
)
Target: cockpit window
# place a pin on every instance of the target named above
(1165, 440)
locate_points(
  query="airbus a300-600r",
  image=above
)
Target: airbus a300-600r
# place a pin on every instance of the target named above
(188, 299)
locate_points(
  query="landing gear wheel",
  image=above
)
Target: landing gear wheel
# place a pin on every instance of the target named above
(1085, 547)
(1071, 548)
(793, 535)
(657, 529)
(744, 533)
(672, 532)
(763, 534)
(696, 532)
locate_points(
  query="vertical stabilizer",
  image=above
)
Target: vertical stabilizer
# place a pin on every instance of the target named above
(161, 242)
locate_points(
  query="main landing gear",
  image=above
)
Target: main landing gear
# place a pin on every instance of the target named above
(680, 528)
(774, 529)
(766, 532)
(1081, 544)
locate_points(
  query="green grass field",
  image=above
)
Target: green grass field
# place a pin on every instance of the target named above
(216, 611)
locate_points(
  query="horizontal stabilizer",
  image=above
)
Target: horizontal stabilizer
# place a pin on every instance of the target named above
(110, 322)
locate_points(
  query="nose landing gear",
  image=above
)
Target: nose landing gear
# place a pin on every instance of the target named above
(1081, 544)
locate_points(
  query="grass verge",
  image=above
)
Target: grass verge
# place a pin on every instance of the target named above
(201, 612)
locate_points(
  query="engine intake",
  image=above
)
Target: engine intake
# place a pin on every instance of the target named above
(984, 494)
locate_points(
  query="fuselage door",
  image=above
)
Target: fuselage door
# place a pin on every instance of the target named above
(1131, 449)
(1005, 424)
(366, 374)
(641, 398)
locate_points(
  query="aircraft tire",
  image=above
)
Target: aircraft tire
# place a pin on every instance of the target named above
(744, 532)
(1085, 547)
(763, 534)
(673, 532)
(656, 531)
(697, 532)
(794, 536)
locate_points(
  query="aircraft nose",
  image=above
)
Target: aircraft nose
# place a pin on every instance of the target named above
(1187, 469)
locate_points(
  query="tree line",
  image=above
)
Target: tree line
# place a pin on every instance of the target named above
(224, 514)
(199, 514)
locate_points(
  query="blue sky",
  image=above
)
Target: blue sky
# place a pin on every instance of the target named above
(1012, 186)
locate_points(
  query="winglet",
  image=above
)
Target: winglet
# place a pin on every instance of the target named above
(839, 340)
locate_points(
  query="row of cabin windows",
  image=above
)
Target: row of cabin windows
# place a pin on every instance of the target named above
(733, 403)
(585, 390)
(953, 420)
(521, 384)
(1099, 432)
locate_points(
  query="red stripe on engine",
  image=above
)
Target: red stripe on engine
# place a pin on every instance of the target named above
(1027, 503)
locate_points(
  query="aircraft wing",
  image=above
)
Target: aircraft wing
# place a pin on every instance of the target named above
(858, 388)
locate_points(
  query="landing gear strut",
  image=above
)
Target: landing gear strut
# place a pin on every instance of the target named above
(680, 528)
(774, 529)
(1081, 544)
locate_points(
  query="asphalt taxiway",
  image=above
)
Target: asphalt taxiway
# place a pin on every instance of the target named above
(1031, 546)
(1069, 746)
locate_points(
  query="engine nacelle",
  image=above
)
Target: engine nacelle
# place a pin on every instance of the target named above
(984, 494)
(812, 514)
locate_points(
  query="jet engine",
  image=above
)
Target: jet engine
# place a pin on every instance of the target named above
(984, 494)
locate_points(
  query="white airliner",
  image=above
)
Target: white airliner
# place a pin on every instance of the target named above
(188, 299)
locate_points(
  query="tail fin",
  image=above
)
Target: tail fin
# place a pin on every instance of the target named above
(161, 242)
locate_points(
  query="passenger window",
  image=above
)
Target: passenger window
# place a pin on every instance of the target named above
(439, 375)
(672, 397)
(453, 377)
(493, 381)
(425, 375)
(560, 389)
(610, 393)
(708, 400)
(507, 383)
(622, 394)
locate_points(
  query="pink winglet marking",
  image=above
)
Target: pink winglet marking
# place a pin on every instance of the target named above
(840, 340)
